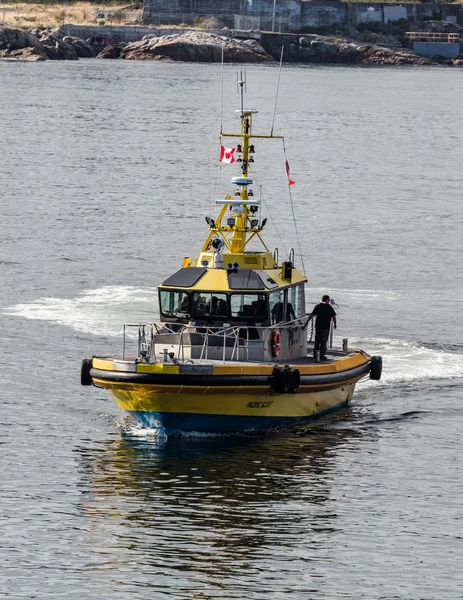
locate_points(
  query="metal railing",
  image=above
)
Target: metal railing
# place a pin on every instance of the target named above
(210, 336)
(236, 337)
(429, 36)
(142, 335)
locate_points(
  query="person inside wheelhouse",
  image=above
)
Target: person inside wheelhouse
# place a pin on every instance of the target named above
(239, 308)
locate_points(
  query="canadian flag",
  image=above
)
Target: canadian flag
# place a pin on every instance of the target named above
(227, 155)
(288, 174)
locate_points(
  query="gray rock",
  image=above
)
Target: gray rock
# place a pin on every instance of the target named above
(17, 44)
(22, 54)
(335, 50)
(81, 48)
(324, 47)
(57, 49)
(12, 39)
(196, 46)
(110, 52)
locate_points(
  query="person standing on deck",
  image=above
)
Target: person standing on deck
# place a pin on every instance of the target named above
(323, 313)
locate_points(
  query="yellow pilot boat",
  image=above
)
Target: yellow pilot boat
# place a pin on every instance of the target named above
(230, 353)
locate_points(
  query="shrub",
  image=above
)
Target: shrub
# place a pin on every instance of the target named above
(119, 15)
(397, 28)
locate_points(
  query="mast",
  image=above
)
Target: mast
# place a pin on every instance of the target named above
(243, 223)
(240, 232)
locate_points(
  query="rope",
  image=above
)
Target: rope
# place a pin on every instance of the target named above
(250, 169)
(276, 93)
(209, 166)
(217, 181)
(312, 327)
(294, 216)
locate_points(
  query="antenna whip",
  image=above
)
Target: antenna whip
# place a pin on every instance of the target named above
(221, 93)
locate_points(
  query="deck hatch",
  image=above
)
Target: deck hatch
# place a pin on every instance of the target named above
(185, 277)
(129, 366)
(195, 369)
(267, 280)
(245, 279)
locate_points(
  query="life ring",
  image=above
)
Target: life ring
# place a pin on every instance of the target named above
(85, 377)
(376, 366)
(276, 343)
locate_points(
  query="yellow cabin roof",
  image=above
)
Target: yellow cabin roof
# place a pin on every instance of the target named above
(216, 280)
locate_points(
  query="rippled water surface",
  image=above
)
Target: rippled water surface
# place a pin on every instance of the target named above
(107, 171)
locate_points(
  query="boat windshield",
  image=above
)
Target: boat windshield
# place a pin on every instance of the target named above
(210, 304)
(250, 307)
(174, 304)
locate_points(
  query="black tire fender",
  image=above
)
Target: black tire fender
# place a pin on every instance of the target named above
(295, 380)
(286, 379)
(85, 377)
(376, 367)
(277, 376)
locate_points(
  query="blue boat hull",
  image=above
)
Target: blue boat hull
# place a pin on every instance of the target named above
(175, 424)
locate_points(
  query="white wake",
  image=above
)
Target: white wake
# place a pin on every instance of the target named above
(102, 311)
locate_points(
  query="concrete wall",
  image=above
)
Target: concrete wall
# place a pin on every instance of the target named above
(124, 33)
(289, 15)
(323, 14)
(372, 13)
(320, 13)
(249, 14)
(436, 49)
(394, 13)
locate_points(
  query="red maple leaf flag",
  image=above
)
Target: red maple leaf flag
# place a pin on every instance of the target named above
(227, 155)
(288, 174)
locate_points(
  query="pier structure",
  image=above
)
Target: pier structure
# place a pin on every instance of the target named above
(424, 43)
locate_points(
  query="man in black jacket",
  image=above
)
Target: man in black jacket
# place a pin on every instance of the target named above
(323, 312)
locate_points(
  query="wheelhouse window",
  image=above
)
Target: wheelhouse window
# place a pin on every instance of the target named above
(277, 306)
(174, 304)
(250, 307)
(210, 305)
(296, 300)
(286, 305)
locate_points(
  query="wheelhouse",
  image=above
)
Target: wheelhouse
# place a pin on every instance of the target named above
(235, 307)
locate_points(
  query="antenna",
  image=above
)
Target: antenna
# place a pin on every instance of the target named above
(241, 88)
(221, 92)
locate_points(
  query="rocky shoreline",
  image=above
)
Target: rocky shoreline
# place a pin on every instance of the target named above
(202, 46)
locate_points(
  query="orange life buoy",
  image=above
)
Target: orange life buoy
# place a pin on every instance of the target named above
(276, 343)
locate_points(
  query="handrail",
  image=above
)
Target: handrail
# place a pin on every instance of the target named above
(142, 344)
(431, 36)
(146, 343)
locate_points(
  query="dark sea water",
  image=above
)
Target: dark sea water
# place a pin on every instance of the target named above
(107, 170)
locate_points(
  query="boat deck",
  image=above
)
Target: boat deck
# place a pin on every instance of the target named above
(331, 356)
